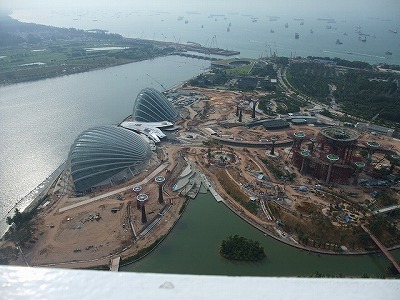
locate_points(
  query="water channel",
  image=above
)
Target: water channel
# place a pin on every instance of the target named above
(192, 248)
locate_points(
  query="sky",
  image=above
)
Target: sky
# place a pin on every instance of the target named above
(380, 8)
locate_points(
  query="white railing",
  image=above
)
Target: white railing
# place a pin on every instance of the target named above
(63, 284)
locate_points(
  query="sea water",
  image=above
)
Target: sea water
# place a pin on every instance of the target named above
(255, 28)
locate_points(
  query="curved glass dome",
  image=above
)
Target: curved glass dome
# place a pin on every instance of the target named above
(152, 106)
(102, 153)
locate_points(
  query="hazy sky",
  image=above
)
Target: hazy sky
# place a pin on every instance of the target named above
(369, 8)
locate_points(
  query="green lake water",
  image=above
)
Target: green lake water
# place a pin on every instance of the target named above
(192, 248)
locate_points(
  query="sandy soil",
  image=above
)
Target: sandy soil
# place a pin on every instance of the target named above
(92, 234)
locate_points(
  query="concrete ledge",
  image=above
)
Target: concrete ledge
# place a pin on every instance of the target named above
(60, 284)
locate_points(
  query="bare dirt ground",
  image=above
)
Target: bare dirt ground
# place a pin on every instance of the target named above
(92, 234)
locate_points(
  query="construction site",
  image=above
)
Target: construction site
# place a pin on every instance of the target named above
(306, 184)
(309, 185)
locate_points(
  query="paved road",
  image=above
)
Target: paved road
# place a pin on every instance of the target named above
(121, 190)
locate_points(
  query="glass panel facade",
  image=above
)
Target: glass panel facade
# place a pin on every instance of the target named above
(102, 152)
(152, 106)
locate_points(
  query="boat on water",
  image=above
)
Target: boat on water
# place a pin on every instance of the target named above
(180, 18)
(296, 36)
(338, 42)
(329, 20)
(362, 38)
(393, 30)
(388, 53)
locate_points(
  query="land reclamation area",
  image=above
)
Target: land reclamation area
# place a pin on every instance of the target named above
(31, 51)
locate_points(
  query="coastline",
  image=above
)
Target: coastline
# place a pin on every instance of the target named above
(77, 71)
(36, 197)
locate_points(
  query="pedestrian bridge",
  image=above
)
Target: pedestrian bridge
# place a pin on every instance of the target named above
(382, 247)
(386, 209)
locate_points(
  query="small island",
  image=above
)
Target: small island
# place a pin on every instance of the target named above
(239, 248)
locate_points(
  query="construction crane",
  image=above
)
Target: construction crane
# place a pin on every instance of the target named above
(157, 82)
(270, 50)
(214, 43)
(374, 117)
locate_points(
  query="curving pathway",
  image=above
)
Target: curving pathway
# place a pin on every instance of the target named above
(121, 190)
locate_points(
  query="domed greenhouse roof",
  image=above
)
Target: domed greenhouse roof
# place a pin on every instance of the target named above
(102, 152)
(152, 106)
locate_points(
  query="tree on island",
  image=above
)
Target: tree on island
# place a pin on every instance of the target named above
(239, 248)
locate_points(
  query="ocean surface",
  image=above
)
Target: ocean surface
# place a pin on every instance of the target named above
(259, 32)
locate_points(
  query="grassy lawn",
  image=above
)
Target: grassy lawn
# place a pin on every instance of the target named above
(242, 69)
(15, 58)
(45, 61)
(245, 70)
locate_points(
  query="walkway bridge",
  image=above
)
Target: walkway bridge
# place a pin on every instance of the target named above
(114, 264)
(382, 247)
(386, 209)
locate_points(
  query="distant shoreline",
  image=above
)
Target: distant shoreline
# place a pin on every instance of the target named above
(31, 52)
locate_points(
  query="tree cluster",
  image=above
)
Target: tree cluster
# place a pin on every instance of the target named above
(239, 248)
(311, 79)
(367, 94)
(344, 62)
(19, 218)
(362, 93)
(391, 67)
(263, 70)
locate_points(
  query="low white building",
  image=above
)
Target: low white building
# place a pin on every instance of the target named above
(150, 129)
(374, 128)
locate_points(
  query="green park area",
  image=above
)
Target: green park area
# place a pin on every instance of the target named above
(33, 62)
(31, 51)
(237, 66)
